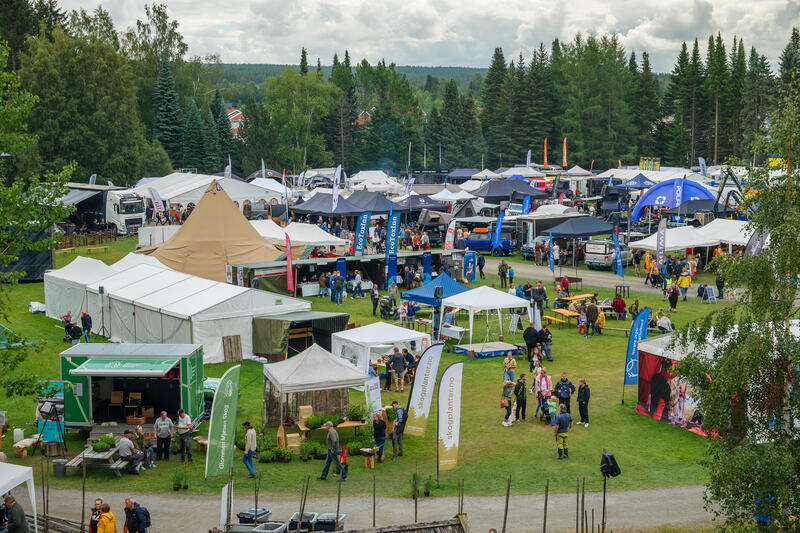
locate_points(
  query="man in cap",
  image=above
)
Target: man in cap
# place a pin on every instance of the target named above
(128, 452)
(332, 443)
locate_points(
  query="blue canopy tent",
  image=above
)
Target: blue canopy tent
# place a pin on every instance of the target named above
(518, 177)
(425, 293)
(671, 193)
(640, 181)
(575, 228)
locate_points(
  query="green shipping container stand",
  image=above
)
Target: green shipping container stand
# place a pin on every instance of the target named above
(109, 382)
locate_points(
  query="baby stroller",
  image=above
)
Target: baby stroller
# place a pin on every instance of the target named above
(387, 310)
(546, 414)
(657, 281)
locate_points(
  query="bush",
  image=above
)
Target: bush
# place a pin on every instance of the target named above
(267, 442)
(307, 450)
(178, 477)
(314, 421)
(282, 455)
(391, 414)
(354, 447)
(239, 439)
(356, 412)
(267, 456)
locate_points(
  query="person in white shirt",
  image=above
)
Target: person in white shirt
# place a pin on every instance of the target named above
(556, 253)
(184, 427)
(664, 323)
(544, 386)
(250, 446)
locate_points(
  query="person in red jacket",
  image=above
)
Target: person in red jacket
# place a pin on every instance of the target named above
(618, 304)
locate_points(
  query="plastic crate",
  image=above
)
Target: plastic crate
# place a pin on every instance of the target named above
(309, 521)
(327, 522)
(248, 516)
(271, 527)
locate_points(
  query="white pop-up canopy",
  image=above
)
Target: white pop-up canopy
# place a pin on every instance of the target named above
(314, 369)
(485, 174)
(356, 344)
(183, 188)
(12, 476)
(65, 288)
(678, 238)
(728, 231)
(446, 195)
(485, 298)
(522, 171)
(299, 233)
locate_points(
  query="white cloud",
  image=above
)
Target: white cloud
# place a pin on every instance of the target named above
(459, 32)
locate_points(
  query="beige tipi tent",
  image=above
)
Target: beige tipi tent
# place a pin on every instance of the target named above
(215, 235)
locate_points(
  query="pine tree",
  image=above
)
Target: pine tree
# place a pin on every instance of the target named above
(223, 129)
(521, 137)
(433, 138)
(472, 142)
(646, 109)
(167, 121)
(211, 154)
(303, 61)
(340, 123)
(537, 122)
(502, 130)
(490, 100)
(193, 138)
(695, 78)
(789, 62)
(319, 67)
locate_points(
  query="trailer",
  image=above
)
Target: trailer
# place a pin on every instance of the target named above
(118, 206)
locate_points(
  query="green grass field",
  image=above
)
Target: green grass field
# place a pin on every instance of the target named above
(650, 453)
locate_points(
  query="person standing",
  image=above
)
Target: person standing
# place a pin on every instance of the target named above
(531, 338)
(107, 523)
(502, 271)
(583, 402)
(323, 285)
(375, 295)
(86, 324)
(564, 390)
(184, 427)
(379, 433)
(539, 295)
(332, 444)
(338, 283)
(505, 401)
(546, 340)
(510, 275)
(397, 432)
(520, 391)
(399, 370)
(481, 265)
(556, 251)
(393, 293)
(358, 292)
(164, 431)
(250, 446)
(591, 319)
(137, 519)
(509, 367)
(562, 426)
(17, 523)
(637, 260)
(94, 515)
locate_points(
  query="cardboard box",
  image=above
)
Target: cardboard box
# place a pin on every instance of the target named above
(304, 411)
(293, 442)
(148, 412)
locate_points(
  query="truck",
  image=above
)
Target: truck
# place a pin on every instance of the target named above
(481, 240)
(120, 208)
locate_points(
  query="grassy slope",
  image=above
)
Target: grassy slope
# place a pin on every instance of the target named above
(651, 454)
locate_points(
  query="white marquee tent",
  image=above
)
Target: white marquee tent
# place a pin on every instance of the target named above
(299, 232)
(65, 288)
(152, 235)
(314, 369)
(374, 181)
(727, 231)
(485, 174)
(133, 260)
(97, 304)
(485, 298)
(356, 345)
(678, 238)
(271, 185)
(183, 188)
(472, 184)
(446, 195)
(522, 171)
(12, 476)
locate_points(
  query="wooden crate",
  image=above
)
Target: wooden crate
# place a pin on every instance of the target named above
(232, 348)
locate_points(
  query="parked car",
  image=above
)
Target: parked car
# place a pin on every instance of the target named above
(482, 242)
(598, 254)
(256, 211)
(435, 234)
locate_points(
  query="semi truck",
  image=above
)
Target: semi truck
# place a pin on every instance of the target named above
(120, 208)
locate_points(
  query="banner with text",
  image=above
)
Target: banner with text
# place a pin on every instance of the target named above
(638, 333)
(449, 239)
(372, 394)
(362, 226)
(470, 264)
(419, 400)
(449, 422)
(222, 426)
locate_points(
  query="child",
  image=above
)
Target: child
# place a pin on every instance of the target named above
(582, 322)
(552, 406)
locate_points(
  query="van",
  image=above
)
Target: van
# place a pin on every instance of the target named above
(598, 254)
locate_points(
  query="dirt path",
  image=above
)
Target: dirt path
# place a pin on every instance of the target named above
(626, 511)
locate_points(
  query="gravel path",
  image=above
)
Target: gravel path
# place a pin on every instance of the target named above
(626, 511)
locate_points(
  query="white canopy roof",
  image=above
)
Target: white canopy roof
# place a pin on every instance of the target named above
(175, 292)
(473, 184)
(446, 195)
(379, 333)
(403, 197)
(577, 172)
(678, 238)
(298, 232)
(133, 260)
(64, 288)
(270, 184)
(186, 188)
(484, 297)
(485, 174)
(314, 369)
(12, 476)
(626, 174)
(150, 284)
(82, 270)
(374, 181)
(727, 231)
(118, 280)
(522, 171)
(552, 209)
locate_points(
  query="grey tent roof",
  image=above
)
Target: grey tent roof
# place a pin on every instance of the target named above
(375, 202)
(313, 369)
(463, 173)
(418, 202)
(322, 204)
(76, 196)
(502, 190)
(581, 227)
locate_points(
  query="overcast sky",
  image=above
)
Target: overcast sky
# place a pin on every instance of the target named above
(458, 32)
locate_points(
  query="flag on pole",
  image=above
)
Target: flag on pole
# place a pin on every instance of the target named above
(408, 185)
(110, 184)
(702, 161)
(419, 400)
(661, 243)
(617, 254)
(336, 176)
(289, 270)
(545, 151)
(619, 162)
(610, 181)
(362, 226)
(285, 190)
(591, 166)
(498, 226)
(526, 204)
(528, 161)
(449, 239)
(564, 155)
(158, 204)
(92, 179)
(638, 333)
(550, 256)
(263, 170)
(222, 425)
(449, 419)
(228, 170)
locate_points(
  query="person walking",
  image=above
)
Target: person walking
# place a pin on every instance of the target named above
(531, 338)
(510, 275)
(591, 319)
(86, 324)
(564, 390)
(505, 402)
(137, 518)
(583, 401)
(332, 444)
(520, 391)
(393, 293)
(375, 296)
(107, 523)
(184, 427)
(250, 446)
(130, 453)
(481, 265)
(358, 292)
(146, 446)
(397, 431)
(684, 282)
(720, 283)
(672, 296)
(338, 284)
(94, 515)
(379, 433)
(509, 366)
(17, 523)
(563, 424)
(502, 271)
(164, 430)
(539, 295)
(546, 341)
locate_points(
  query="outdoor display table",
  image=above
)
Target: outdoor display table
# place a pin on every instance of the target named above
(304, 430)
(577, 297)
(102, 459)
(452, 332)
(566, 314)
(623, 289)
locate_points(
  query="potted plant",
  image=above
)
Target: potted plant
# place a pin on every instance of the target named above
(266, 456)
(282, 455)
(101, 446)
(320, 452)
(306, 451)
(354, 447)
(414, 486)
(314, 421)
(333, 419)
(391, 414)
(356, 412)
(428, 486)
(177, 479)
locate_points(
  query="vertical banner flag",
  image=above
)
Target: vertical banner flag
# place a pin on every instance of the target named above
(449, 239)
(335, 196)
(158, 204)
(528, 161)
(263, 170)
(638, 333)
(756, 243)
(92, 179)
(564, 155)
(555, 185)
(537, 318)
(526, 204)
(449, 420)
(372, 393)
(222, 425)
(619, 163)
(702, 161)
(391, 268)
(498, 226)
(301, 179)
(545, 151)
(409, 185)
(419, 400)
(228, 171)
(289, 270)
(617, 254)
(285, 190)
(550, 256)
(678, 191)
(408, 165)
(470, 263)
(591, 166)
(610, 182)
(362, 226)
(661, 243)
(110, 183)
(427, 267)
(391, 232)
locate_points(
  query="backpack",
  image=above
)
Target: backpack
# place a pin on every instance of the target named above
(144, 517)
(339, 283)
(518, 388)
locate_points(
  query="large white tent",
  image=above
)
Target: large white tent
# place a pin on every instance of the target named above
(65, 288)
(446, 195)
(485, 298)
(299, 232)
(485, 174)
(152, 235)
(133, 260)
(314, 369)
(271, 184)
(522, 171)
(184, 188)
(727, 231)
(356, 345)
(679, 238)
(374, 181)
(626, 174)
(12, 476)
(97, 304)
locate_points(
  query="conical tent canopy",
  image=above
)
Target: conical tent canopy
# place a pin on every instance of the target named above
(314, 369)
(215, 235)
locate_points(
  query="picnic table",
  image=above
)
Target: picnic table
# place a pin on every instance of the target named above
(566, 313)
(104, 459)
(576, 297)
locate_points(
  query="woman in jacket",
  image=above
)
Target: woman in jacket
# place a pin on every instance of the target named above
(508, 388)
(107, 522)
(684, 282)
(672, 295)
(583, 401)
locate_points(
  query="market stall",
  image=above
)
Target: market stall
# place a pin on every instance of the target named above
(289, 333)
(487, 299)
(12, 476)
(358, 345)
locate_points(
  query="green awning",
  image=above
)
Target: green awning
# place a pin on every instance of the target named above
(271, 333)
(140, 368)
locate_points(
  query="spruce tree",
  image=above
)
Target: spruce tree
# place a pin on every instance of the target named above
(303, 61)
(522, 139)
(167, 121)
(472, 142)
(735, 102)
(695, 78)
(758, 98)
(211, 154)
(501, 131)
(537, 122)
(433, 138)
(339, 124)
(452, 125)
(223, 129)
(646, 109)
(193, 138)
(716, 88)
(319, 68)
(789, 62)
(490, 99)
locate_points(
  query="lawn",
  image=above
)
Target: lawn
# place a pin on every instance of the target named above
(651, 454)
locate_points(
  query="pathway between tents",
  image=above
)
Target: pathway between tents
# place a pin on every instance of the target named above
(674, 507)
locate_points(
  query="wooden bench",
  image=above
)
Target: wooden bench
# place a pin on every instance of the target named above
(625, 331)
(75, 461)
(551, 319)
(119, 465)
(65, 250)
(104, 248)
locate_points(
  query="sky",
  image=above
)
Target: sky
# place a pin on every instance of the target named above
(458, 32)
